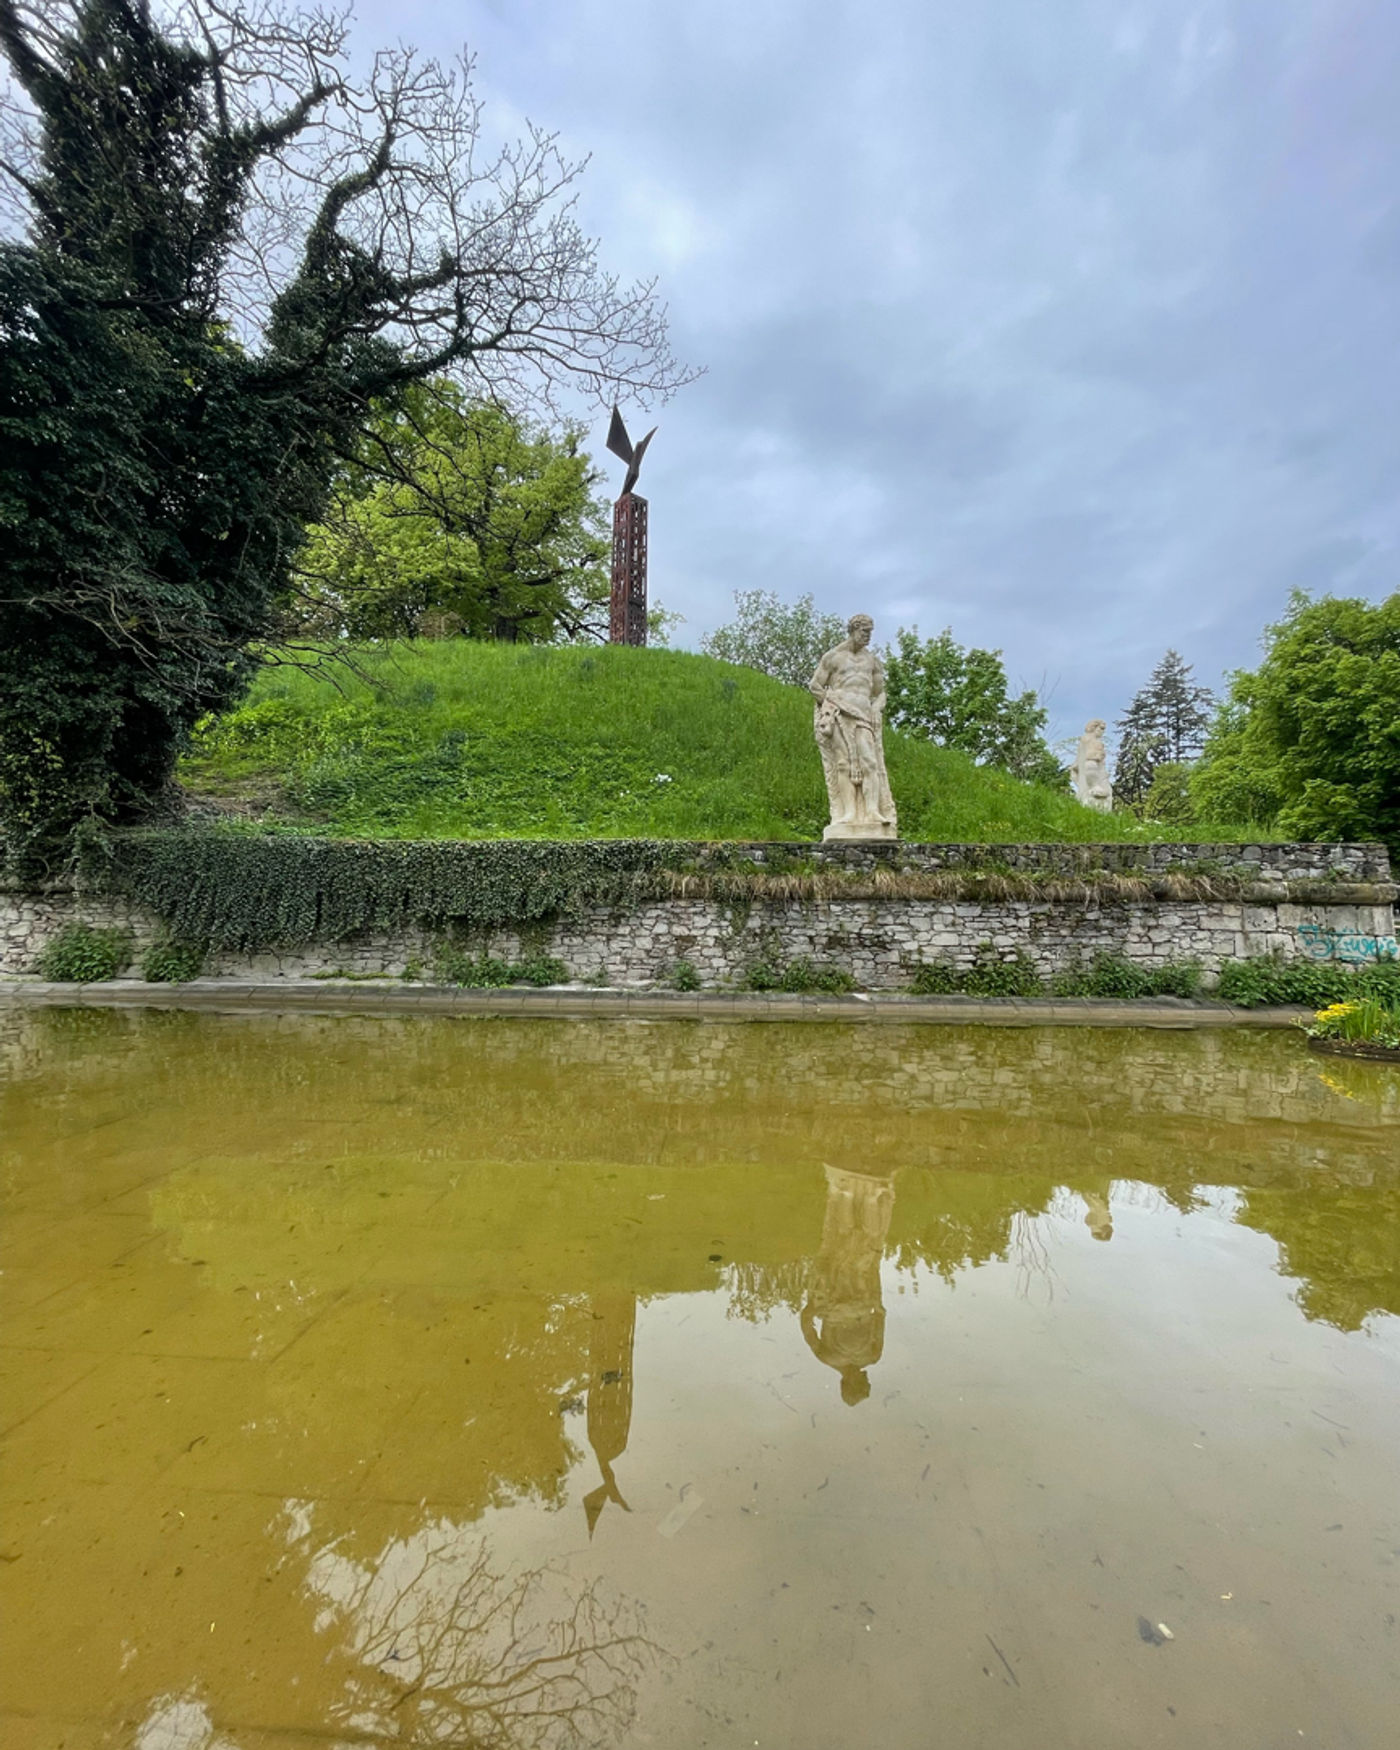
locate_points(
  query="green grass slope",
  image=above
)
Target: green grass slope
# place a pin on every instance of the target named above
(466, 740)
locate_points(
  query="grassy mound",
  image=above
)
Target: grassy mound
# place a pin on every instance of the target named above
(466, 740)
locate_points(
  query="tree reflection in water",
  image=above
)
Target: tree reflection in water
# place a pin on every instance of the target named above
(441, 1648)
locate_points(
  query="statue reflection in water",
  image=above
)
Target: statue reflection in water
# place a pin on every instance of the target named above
(1098, 1212)
(843, 1319)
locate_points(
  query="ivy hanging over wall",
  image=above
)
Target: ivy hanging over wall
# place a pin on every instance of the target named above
(240, 891)
(245, 892)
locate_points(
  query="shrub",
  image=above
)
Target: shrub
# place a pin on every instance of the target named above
(1107, 975)
(684, 976)
(1267, 979)
(936, 978)
(799, 977)
(1168, 795)
(170, 961)
(539, 969)
(1179, 978)
(990, 976)
(1110, 975)
(82, 954)
(485, 972)
(803, 974)
(474, 972)
(1104, 976)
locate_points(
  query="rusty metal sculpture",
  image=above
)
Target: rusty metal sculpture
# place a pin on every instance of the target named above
(628, 623)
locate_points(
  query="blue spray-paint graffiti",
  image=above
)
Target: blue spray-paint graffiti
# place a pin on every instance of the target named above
(1321, 943)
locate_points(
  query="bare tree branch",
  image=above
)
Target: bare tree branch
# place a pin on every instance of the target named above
(476, 258)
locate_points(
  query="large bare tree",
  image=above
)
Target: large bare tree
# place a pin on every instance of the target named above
(225, 248)
(467, 257)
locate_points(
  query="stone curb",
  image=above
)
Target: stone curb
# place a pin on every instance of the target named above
(323, 996)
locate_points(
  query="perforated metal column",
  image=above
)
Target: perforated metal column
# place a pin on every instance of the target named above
(629, 571)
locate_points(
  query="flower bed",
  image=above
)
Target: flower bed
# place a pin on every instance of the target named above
(1368, 1026)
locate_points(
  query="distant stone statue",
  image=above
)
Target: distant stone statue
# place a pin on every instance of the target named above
(849, 687)
(1089, 773)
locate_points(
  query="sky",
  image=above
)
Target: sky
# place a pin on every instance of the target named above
(1072, 327)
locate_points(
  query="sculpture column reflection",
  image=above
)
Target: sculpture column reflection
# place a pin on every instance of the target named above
(609, 1419)
(843, 1320)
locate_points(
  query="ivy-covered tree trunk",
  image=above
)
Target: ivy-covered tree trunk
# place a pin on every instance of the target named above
(142, 551)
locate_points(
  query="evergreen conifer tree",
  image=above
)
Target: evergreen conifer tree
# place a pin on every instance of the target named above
(1164, 725)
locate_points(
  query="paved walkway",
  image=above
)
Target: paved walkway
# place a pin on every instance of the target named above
(341, 996)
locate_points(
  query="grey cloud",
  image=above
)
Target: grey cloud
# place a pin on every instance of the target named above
(1073, 326)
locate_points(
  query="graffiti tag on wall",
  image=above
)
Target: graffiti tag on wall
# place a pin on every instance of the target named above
(1321, 943)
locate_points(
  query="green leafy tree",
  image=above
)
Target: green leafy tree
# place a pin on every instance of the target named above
(959, 698)
(222, 255)
(1164, 725)
(782, 639)
(459, 512)
(1310, 741)
(661, 623)
(1168, 797)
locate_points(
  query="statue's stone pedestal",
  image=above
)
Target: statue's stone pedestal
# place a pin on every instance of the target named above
(855, 830)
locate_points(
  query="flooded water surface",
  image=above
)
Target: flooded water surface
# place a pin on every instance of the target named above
(540, 1384)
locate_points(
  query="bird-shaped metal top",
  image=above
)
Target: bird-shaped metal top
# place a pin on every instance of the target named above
(621, 445)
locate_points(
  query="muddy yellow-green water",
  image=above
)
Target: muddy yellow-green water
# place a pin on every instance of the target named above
(525, 1383)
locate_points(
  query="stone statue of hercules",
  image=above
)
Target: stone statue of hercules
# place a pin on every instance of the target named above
(849, 687)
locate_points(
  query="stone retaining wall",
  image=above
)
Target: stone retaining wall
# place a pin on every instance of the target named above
(879, 941)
